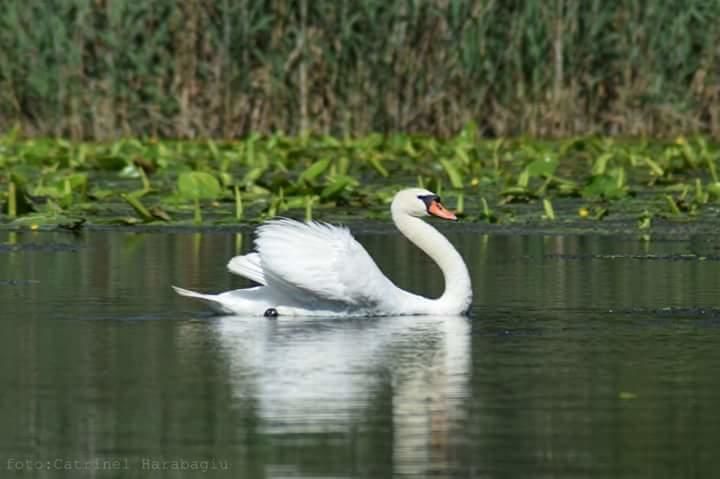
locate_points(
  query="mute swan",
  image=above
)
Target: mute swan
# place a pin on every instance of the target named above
(316, 269)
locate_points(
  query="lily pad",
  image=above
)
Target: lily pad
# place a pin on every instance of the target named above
(198, 185)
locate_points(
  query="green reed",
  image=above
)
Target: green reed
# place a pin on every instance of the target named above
(230, 68)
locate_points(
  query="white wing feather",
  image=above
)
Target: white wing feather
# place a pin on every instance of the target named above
(248, 266)
(320, 263)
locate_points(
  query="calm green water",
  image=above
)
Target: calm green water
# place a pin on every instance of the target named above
(584, 357)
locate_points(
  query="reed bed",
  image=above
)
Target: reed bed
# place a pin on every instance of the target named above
(105, 69)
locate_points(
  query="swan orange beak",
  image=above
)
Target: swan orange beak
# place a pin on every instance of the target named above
(437, 209)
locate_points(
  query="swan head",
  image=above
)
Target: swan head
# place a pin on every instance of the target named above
(420, 202)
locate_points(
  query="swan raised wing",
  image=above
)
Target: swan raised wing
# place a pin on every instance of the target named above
(317, 264)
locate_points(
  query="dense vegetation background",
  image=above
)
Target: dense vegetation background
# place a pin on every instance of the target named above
(99, 69)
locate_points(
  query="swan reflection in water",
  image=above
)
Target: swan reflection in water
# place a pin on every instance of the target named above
(316, 376)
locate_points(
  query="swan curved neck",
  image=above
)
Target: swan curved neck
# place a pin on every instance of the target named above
(457, 296)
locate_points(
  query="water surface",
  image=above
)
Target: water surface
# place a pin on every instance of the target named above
(583, 357)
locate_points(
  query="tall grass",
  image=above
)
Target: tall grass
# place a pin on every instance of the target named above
(225, 68)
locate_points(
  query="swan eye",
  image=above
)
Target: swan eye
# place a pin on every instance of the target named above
(428, 199)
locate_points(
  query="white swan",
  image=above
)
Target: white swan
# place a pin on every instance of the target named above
(315, 269)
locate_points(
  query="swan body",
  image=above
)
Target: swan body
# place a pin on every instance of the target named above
(316, 269)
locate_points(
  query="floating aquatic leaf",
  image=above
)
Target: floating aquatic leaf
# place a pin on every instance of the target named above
(160, 214)
(198, 185)
(110, 163)
(545, 166)
(462, 153)
(226, 179)
(673, 206)
(645, 220)
(523, 180)
(214, 150)
(293, 202)
(565, 187)
(252, 176)
(315, 170)
(49, 220)
(655, 169)
(337, 186)
(74, 183)
(374, 161)
(49, 191)
(516, 193)
(100, 194)
(599, 213)
(713, 189)
(690, 154)
(487, 213)
(343, 165)
(130, 171)
(604, 186)
(137, 205)
(701, 196)
(129, 220)
(600, 165)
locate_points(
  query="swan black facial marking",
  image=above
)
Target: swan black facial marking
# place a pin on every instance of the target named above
(428, 200)
(271, 313)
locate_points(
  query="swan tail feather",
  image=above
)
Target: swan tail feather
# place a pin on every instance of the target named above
(248, 266)
(208, 299)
